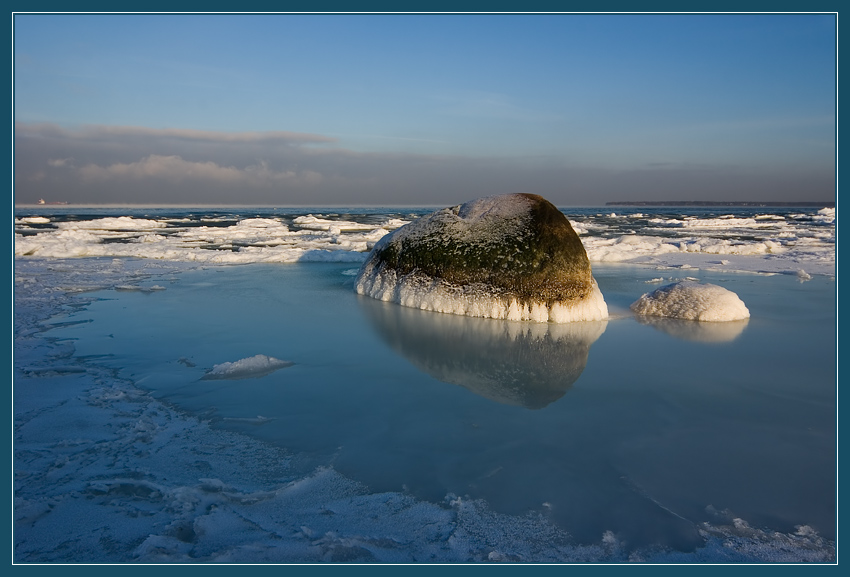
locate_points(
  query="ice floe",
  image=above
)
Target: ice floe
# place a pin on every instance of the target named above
(247, 368)
(776, 242)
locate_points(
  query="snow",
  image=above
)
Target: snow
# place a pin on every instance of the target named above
(113, 223)
(124, 287)
(249, 240)
(724, 222)
(248, 368)
(762, 243)
(501, 207)
(262, 223)
(484, 220)
(763, 257)
(316, 223)
(692, 301)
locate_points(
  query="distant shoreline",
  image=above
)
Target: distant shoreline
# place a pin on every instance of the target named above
(826, 204)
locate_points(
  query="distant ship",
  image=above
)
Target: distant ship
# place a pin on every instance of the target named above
(41, 201)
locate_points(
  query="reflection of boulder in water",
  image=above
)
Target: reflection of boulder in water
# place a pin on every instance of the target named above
(525, 364)
(696, 330)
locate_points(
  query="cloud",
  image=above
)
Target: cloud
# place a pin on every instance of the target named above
(176, 170)
(168, 167)
(120, 165)
(101, 132)
(209, 136)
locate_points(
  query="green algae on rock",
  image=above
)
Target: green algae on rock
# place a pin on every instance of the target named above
(512, 256)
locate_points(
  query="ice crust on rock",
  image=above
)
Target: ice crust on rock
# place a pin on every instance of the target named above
(512, 257)
(691, 300)
(476, 300)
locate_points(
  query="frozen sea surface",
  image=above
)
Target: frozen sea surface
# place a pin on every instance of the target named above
(337, 428)
(763, 239)
(406, 436)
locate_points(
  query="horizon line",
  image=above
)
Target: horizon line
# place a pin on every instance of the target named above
(754, 203)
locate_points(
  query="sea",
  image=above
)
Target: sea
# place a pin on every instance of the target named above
(203, 385)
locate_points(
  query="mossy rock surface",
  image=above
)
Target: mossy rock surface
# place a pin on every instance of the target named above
(519, 245)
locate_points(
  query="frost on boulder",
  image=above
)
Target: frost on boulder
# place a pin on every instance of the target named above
(510, 257)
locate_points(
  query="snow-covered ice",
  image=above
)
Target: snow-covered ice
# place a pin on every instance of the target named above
(248, 368)
(755, 241)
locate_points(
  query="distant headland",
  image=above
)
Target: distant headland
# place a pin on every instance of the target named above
(825, 204)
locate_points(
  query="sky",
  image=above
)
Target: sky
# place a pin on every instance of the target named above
(289, 110)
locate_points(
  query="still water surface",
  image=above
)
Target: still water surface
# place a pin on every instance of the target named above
(642, 428)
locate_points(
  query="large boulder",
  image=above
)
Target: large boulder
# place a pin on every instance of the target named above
(512, 257)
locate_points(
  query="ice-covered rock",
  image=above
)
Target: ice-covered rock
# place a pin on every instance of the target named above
(512, 256)
(693, 301)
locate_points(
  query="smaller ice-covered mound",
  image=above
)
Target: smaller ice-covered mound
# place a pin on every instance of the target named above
(249, 368)
(513, 256)
(693, 301)
(32, 220)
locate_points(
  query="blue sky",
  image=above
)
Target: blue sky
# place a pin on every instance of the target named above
(423, 109)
